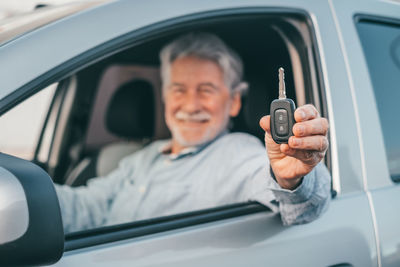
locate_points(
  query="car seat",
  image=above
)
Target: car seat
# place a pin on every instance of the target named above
(129, 115)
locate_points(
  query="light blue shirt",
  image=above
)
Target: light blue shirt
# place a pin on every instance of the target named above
(152, 183)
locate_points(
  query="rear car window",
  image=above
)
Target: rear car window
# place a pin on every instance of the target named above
(381, 45)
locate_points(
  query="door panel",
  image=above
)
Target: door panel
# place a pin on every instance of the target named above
(374, 166)
(386, 202)
(343, 235)
(369, 47)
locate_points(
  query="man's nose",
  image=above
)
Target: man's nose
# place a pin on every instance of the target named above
(192, 103)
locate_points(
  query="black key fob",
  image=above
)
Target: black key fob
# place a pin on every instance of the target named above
(282, 119)
(282, 113)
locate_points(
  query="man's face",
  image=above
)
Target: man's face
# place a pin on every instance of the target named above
(197, 102)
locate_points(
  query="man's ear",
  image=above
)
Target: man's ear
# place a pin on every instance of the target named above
(236, 104)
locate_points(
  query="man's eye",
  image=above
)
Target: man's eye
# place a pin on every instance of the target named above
(207, 90)
(178, 90)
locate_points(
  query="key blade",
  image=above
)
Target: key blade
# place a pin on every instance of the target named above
(282, 87)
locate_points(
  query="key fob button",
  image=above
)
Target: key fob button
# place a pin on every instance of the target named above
(282, 129)
(281, 115)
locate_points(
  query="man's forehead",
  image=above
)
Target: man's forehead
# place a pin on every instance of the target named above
(194, 69)
(194, 63)
(209, 84)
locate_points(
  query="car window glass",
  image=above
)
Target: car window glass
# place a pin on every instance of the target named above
(381, 44)
(22, 125)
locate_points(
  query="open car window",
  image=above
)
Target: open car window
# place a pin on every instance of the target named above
(89, 147)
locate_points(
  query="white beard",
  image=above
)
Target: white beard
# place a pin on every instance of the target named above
(210, 133)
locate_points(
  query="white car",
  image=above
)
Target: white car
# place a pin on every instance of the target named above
(60, 68)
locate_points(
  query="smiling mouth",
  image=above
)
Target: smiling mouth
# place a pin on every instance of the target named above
(194, 121)
(192, 118)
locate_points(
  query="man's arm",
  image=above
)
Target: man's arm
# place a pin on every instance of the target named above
(302, 185)
(291, 162)
(86, 207)
(306, 202)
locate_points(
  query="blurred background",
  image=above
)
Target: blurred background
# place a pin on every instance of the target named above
(22, 139)
(10, 8)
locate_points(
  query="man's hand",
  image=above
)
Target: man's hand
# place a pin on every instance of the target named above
(290, 162)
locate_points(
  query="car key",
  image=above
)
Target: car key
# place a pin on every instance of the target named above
(282, 113)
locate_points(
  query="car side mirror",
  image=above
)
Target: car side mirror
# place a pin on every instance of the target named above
(31, 231)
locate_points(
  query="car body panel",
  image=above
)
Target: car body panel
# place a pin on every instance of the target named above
(254, 240)
(384, 193)
(348, 233)
(375, 167)
(387, 219)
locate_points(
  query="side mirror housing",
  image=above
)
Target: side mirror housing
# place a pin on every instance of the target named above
(31, 231)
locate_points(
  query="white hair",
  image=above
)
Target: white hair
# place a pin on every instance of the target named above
(205, 46)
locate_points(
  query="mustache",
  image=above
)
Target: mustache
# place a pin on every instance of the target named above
(195, 117)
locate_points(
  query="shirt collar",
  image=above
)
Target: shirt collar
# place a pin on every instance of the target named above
(166, 148)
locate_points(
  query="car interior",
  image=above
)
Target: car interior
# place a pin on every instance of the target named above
(113, 107)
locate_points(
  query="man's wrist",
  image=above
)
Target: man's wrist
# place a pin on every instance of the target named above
(289, 184)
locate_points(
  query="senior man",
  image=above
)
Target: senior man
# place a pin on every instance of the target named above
(203, 165)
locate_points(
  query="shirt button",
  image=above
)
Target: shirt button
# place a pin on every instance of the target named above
(142, 189)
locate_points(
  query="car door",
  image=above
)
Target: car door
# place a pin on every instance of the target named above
(372, 44)
(239, 234)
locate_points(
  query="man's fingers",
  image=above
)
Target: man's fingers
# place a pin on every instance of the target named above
(305, 113)
(314, 143)
(318, 126)
(307, 156)
(265, 123)
(287, 150)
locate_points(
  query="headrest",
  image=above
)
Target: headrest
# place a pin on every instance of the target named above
(130, 113)
(256, 103)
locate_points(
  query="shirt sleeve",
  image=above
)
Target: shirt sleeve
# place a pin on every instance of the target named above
(251, 167)
(308, 201)
(87, 206)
